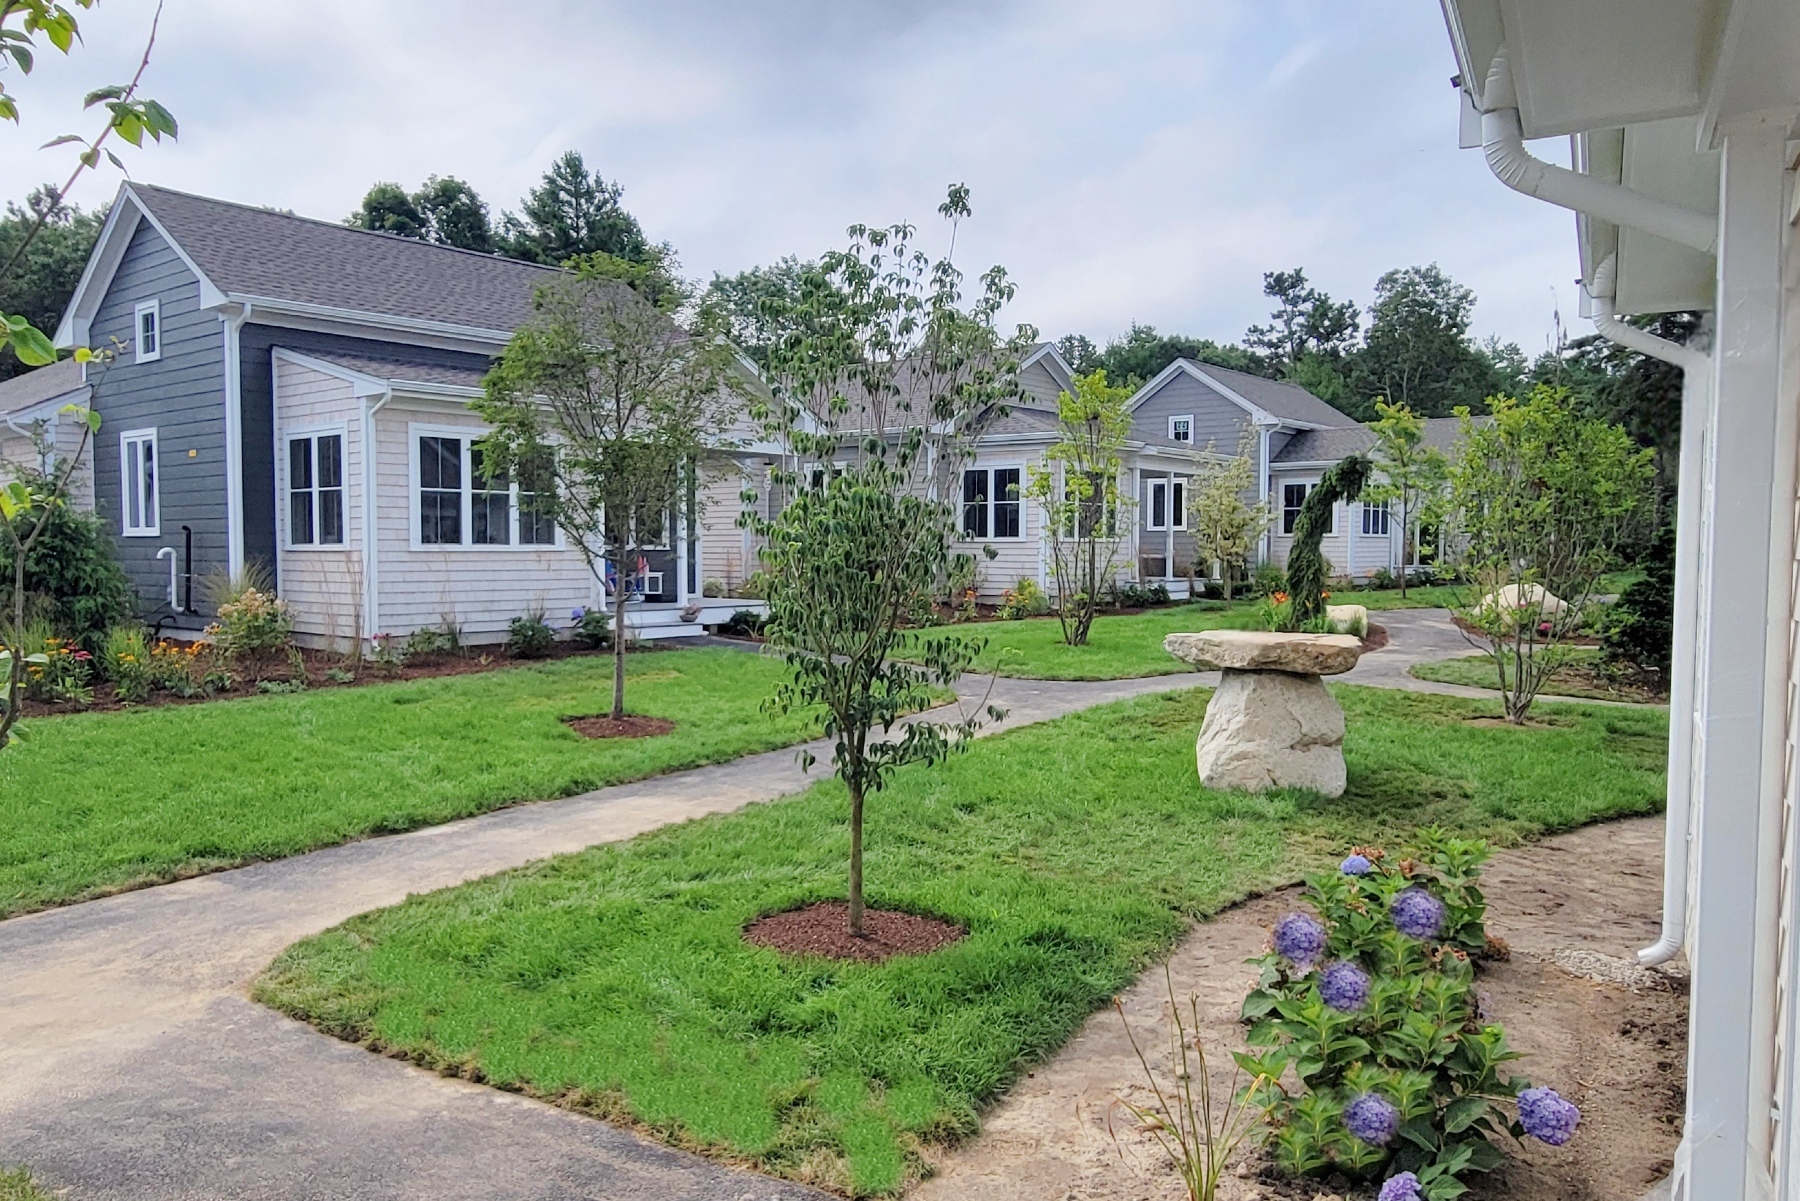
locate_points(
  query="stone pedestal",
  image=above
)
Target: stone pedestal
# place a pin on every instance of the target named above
(1272, 723)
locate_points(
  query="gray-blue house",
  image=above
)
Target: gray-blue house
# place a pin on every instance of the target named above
(294, 393)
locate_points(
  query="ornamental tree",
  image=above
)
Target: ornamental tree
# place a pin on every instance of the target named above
(1408, 472)
(879, 377)
(27, 502)
(1076, 486)
(1306, 566)
(600, 406)
(1225, 521)
(1545, 502)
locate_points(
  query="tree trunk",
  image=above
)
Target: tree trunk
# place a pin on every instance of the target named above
(620, 593)
(856, 860)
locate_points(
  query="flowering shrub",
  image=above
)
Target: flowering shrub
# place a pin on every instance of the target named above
(56, 669)
(530, 636)
(253, 627)
(126, 657)
(1022, 600)
(592, 628)
(1373, 1011)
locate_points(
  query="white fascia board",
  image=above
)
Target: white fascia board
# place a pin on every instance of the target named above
(360, 384)
(1258, 414)
(270, 306)
(43, 410)
(1302, 465)
(1021, 439)
(1054, 359)
(109, 251)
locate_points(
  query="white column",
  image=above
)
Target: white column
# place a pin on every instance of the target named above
(1747, 556)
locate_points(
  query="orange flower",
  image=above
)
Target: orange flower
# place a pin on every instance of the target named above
(1280, 598)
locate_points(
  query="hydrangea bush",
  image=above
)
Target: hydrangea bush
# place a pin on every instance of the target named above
(1370, 1005)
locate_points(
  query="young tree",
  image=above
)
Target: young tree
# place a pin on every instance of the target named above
(1223, 513)
(1544, 501)
(878, 382)
(1076, 486)
(749, 301)
(572, 213)
(600, 406)
(1409, 473)
(26, 503)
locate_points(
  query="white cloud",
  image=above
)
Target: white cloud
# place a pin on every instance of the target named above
(1141, 160)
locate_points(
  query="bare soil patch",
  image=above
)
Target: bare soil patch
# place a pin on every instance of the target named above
(1617, 1051)
(823, 929)
(629, 726)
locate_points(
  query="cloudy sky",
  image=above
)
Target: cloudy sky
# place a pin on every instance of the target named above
(1130, 160)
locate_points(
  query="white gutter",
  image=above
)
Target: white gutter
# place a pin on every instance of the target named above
(1503, 142)
(370, 538)
(234, 442)
(1695, 367)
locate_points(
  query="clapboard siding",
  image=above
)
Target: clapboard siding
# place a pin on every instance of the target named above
(1013, 558)
(1041, 384)
(1349, 551)
(1217, 419)
(182, 396)
(323, 585)
(20, 452)
(480, 589)
(727, 552)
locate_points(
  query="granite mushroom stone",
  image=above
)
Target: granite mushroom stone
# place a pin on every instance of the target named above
(1272, 723)
(1259, 650)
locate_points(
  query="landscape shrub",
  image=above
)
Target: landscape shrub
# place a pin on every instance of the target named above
(592, 628)
(1141, 596)
(1381, 580)
(755, 586)
(713, 589)
(252, 627)
(1268, 579)
(1024, 599)
(530, 636)
(73, 579)
(1640, 630)
(427, 645)
(1369, 1003)
(745, 623)
(58, 670)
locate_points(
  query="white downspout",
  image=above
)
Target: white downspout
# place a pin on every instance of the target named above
(370, 532)
(1503, 142)
(1694, 366)
(234, 442)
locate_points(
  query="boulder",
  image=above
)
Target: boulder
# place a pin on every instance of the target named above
(1271, 729)
(1260, 650)
(1348, 619)
(1530, 597)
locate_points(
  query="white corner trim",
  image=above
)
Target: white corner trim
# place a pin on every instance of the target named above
(371, 541)
(234, 441)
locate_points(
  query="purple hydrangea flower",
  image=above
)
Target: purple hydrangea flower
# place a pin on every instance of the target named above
(577, 614)
(1401, 1187)
(1372, 1119)
(1344, 986)
(1300, 938)
(1547, 1117)
(1356, 865)
(1417, 914)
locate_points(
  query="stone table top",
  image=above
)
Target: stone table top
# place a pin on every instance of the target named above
(1262, 650)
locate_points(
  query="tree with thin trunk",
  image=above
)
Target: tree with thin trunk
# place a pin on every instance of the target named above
(27, 503)
(879, 379)
(1545, 502)
(1408, 471)
(1223, 514)
(601, 406)
(1076, 487)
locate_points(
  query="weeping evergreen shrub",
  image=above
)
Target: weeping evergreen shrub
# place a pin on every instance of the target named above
(1344, 480)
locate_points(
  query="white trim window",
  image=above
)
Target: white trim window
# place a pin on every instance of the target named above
(1181, 429)
(315, 479)
(1293, 496)
(139, 495)
(456, 502)
(991, 508)
(1165, 506)
(1375, 518)
(1178, 503)
(146, 327)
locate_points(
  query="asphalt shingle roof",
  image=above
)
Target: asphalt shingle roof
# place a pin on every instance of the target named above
(1328, 446)
(35, 387)
(402, 368)
(260, 252)
(1288, 401)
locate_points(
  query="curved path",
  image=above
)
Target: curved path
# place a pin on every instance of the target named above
(133, 1064)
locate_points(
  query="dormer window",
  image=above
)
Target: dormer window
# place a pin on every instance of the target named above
(148, 345)
(1181, 429)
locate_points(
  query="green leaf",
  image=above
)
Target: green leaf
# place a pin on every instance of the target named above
(1258, 1004)
(32, 347)
(62, 141)
(110, 92)
(22, 56)
(1462, 1112)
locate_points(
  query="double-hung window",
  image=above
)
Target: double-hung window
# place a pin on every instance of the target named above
(461, 502)
(316, 490)
(1181, 429)
(147, 332)
(990, 503)
(1292, 497)
(1375, 518)
(140, 504)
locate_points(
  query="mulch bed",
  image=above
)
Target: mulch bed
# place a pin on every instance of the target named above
(629, 726)
(823, 929)
(1375, 639)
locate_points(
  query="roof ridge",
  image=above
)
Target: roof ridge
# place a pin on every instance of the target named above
(338, 225)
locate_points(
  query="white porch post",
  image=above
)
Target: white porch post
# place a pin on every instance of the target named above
(1747, 559)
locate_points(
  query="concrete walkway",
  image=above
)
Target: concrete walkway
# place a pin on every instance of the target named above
(133, 1064)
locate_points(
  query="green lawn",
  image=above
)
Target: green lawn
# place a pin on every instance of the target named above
(1578, 679)
(17, 1185)
(615, 980)
(92, 803)
(1119, 647)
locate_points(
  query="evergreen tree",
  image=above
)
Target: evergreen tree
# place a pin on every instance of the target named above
(572, 213)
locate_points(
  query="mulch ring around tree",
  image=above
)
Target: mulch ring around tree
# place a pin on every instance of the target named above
(629, 726)
(823, 929)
